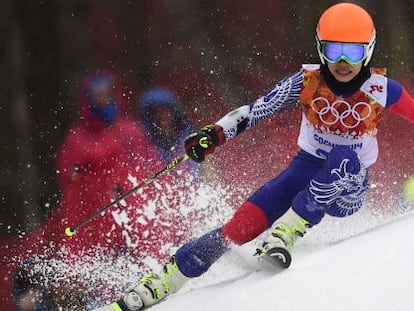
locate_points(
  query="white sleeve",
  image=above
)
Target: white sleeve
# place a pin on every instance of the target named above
(285, 92)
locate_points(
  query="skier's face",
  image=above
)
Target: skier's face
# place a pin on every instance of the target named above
(343, 71)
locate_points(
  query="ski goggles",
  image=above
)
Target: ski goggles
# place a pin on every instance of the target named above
(352, 53)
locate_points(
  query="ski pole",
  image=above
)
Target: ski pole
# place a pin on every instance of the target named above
(70, 231)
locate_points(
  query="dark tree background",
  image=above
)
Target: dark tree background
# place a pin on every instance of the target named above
(235, 49)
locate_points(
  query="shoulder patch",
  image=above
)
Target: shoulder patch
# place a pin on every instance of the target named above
(311, 67)
(376, 88)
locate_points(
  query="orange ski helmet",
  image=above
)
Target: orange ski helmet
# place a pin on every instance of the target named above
(346, 23)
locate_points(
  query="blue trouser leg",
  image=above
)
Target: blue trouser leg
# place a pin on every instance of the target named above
(195, 257)
(312, 186)
(275, 197)
(338, 189)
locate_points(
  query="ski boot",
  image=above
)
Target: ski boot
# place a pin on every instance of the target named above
(150, 289)
(284, 233)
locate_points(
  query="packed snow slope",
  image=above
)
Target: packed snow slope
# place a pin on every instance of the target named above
(349, 264)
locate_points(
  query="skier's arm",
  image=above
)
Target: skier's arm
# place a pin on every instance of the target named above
(399, 100)
(203, 142)
(283, 93)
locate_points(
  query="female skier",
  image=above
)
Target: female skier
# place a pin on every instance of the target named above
(342, 100)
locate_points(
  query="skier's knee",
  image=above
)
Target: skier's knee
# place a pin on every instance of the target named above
(247, 223)
(338, 189)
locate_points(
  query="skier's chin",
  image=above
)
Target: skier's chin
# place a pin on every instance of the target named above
(343, 76)
(344, 72)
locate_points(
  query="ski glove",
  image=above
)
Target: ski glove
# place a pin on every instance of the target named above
(198, 145)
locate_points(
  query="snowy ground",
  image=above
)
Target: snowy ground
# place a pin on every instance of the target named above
(362, 262)
(334, 268)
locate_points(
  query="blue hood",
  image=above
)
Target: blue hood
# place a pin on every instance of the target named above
(163, 97)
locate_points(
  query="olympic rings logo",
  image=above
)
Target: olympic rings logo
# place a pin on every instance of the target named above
(342, 111)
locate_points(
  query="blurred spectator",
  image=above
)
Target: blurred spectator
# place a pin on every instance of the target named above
(103, 156)
(20, 285)
(165, 123)
(33, 290)
(202, 97)
(28, 294)
(28, 297)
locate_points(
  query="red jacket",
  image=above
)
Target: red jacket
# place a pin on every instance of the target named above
(96, 163)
